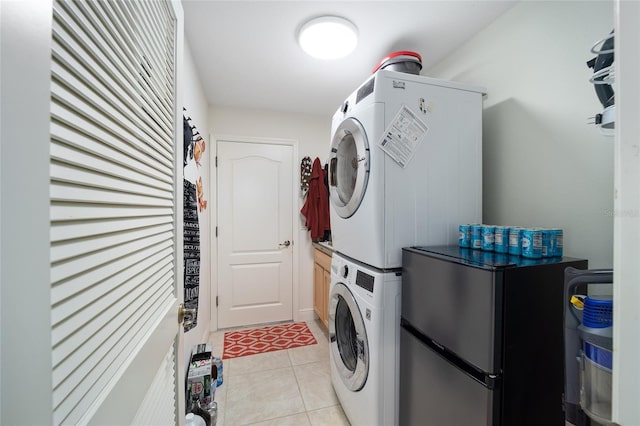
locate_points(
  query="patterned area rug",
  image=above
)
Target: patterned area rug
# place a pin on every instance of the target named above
(266, 339)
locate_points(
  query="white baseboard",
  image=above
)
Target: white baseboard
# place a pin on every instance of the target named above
(306, 315)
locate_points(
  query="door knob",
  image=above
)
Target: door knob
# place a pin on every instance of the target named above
(182, 312)
(285, 244)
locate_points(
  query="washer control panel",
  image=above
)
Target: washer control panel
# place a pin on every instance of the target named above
(365, 281)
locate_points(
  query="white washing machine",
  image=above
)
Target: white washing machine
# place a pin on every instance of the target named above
(364, 334)
(426, 182)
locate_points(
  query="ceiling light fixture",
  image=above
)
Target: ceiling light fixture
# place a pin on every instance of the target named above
(328, 37)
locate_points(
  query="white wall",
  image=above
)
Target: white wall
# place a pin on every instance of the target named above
(197, 108)
(543, 165)
(313, 135)
(25, 309)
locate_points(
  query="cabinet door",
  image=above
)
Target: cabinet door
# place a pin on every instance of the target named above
(325, 294)
(318, 291)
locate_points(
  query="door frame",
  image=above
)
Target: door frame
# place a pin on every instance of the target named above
(295, 184)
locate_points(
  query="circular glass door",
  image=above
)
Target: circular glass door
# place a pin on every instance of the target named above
(348, 167)
(348, 338)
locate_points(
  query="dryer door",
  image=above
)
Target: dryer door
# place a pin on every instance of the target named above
(348, 167)
(348, 338)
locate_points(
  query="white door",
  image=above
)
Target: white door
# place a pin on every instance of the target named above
(93, 209)
(255, 233)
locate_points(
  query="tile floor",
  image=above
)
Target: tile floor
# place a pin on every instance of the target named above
(289, 387)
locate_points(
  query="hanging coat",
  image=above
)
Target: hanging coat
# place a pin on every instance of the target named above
(316, 207)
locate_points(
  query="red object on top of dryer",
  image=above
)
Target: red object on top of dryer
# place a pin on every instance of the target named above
(402, 60)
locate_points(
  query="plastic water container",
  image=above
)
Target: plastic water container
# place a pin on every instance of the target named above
(193, 420)
(597, 344)
(218, 363)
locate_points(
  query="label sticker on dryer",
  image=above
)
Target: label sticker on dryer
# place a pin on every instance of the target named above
(403, 136)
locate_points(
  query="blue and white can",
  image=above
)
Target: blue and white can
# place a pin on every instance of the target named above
(488, 235)
(515, 240)
(548, 242)
(476, 236)
(464, 235)
(501, 239)
(532, 243)
(558, 237)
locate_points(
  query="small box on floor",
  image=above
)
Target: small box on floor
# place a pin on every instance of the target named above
(201, 376)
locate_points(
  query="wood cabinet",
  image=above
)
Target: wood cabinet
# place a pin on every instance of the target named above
(321, 281)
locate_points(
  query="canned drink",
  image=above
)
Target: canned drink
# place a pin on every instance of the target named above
(558, 238)
(475, 241)
(501, 239)
(464, 236)
(532, 243)
(515, 240)
(548, 242)
(488, 234)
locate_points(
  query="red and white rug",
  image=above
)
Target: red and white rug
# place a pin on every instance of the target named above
(266, 339)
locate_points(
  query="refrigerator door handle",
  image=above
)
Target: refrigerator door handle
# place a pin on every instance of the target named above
(492, 381)
(489, 380)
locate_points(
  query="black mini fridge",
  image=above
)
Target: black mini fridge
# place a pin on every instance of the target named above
(481, 340)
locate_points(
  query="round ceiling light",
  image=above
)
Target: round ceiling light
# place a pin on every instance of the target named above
(328, 37)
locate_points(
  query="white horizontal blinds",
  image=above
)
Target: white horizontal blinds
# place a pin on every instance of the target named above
(158, 407)
(112, 190)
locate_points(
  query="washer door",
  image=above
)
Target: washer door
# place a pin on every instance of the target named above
(348, 338)
(348, 167)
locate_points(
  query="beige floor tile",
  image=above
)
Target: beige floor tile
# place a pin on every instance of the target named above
(220, 398)
(309, 354)
(217, 340)
(314, 380)
(319, 330)
(330, 416)
(256, 363)
(295, 420)
(262, 396)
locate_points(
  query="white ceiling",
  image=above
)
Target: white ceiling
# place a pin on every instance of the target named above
(247, 55)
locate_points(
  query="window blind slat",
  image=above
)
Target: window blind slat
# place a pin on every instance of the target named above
(93, 145)
(149, 50)
(156, 408)
(61, 212)
(69, 249)
(77, 69)
(72, 230)
(69, 161)
(108, 273)
(84, 264)
(83, 103)
(121, 283)
(79, 398)
(76, 345)
(124, 64)
(76, 193)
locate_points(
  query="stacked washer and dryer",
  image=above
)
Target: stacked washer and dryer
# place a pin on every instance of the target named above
(405, 169)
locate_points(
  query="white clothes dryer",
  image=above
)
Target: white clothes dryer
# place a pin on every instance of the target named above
(364, 334)
(426, 182)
